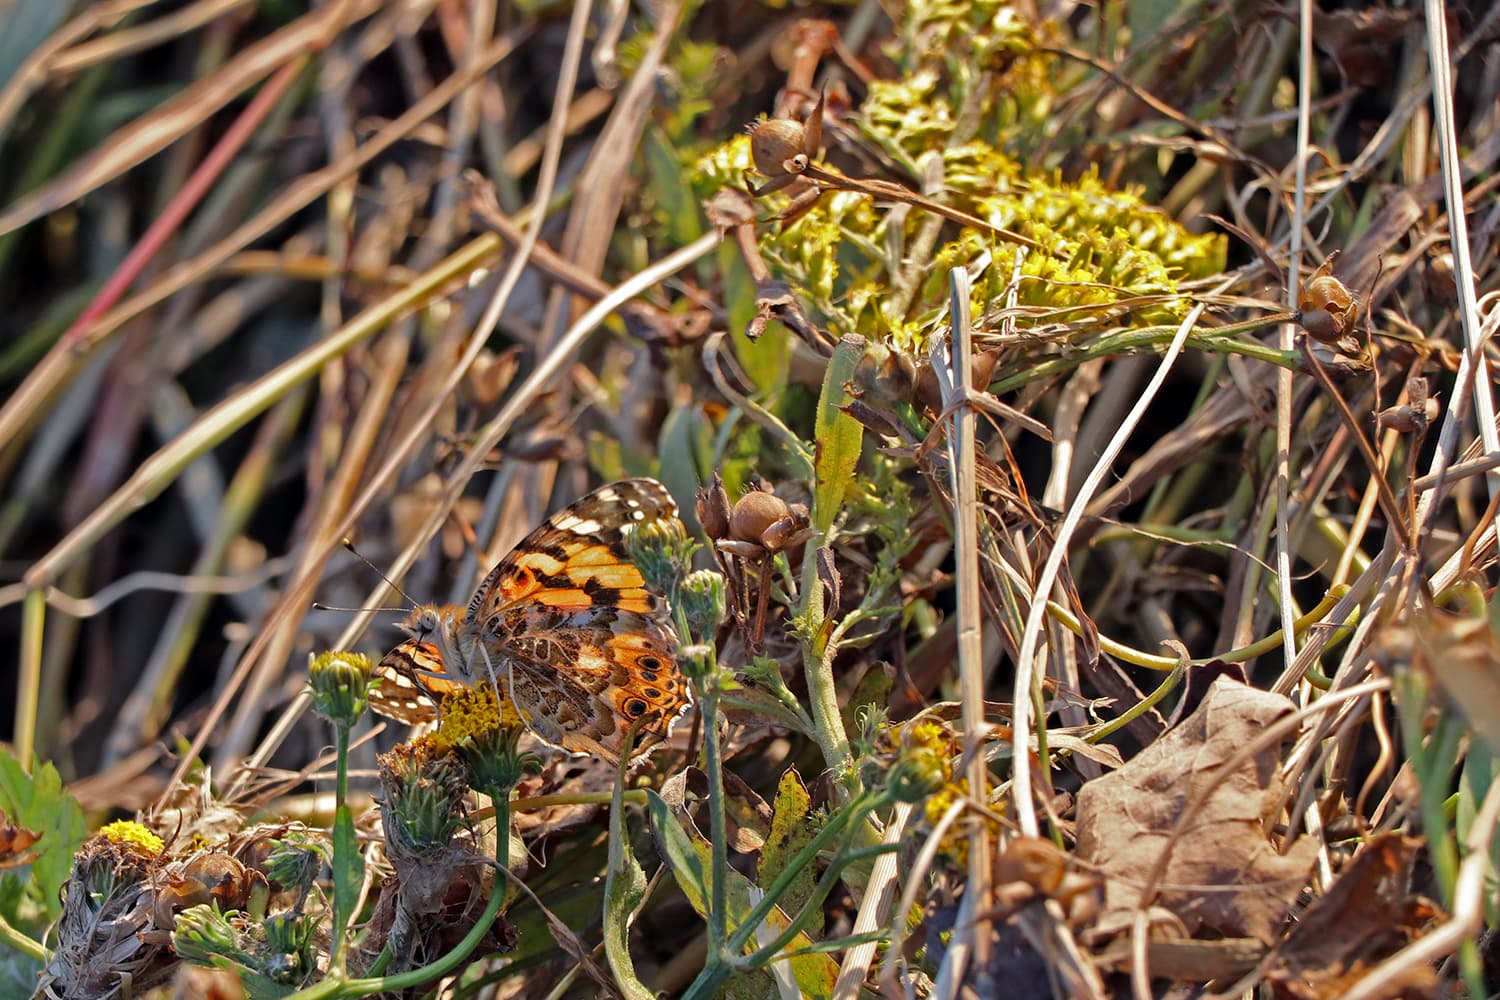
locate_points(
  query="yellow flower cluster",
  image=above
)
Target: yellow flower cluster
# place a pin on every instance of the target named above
(473, 711)
(129, 832)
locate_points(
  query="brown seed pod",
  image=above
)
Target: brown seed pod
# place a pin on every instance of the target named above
(788, 531)
(1326, 305)
(754, 514)
(712, 506)
(205, 878)
(778, 146)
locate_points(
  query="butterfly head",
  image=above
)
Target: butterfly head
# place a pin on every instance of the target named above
(439, 625)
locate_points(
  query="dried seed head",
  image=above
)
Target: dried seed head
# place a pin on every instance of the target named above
(782, 147)
(712, 507)
(1326, 305)
(778, 146)
(754, 514)
(788, 531)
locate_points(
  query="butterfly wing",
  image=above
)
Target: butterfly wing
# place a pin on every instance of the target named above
(567, 617)
(412, 676)
(584, 679)
(578, 558)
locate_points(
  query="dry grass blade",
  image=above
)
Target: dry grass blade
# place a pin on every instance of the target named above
(153, 132)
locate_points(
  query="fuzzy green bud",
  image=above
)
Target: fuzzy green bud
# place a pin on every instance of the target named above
(202, 934)
(695, 661)
(295, 859)
(495, 761)
(289, 941)
(662, 551)
(702, 596)
(340, 685)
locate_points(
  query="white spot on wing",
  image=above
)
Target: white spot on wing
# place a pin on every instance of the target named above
(578, 525)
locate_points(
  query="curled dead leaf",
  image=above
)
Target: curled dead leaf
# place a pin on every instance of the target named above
(1175, 800)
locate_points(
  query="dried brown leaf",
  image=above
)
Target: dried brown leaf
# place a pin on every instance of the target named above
(1366, 915)
(1222, 872)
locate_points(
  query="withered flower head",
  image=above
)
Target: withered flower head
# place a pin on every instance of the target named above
(422, 808)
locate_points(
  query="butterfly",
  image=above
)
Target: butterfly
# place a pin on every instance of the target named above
(564, 625)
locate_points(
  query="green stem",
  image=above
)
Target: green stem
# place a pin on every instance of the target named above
(341, 891)
(854, 813)
(21, 943)
(720, 967)
(814, 904)
(1154, 661)
(1221, 339)
(817, 664)
(713, 766)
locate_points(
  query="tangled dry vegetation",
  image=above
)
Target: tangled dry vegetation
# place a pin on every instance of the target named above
(1082, 427)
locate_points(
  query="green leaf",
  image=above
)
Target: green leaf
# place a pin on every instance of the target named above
(837, 437)
(624, 888)
(767, 359)
(689, 859)
(38, 802)
(790, 832)
(684, 446)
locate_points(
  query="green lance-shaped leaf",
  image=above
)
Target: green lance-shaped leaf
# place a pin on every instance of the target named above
(790, 832)
(836, 435)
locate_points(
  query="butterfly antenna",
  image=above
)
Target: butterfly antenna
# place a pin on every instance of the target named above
(349, 544)
(318, 606)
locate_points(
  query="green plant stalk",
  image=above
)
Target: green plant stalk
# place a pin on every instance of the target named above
(1140, 708)
(851, 815)
(707, 690)
(337, 987)
(767, 953)
(1435, 762)
(21, 943)
(29, 686)
(1153, 661)
(343, 893)
(719, 968)
(713, 766)
(1220, 339)
(817, 664)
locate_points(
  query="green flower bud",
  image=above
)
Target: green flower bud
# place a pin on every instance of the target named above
(289, 942)
(340, 685)
(201, 934)
(662, 551)
(703, 602)
(695, 661)
(495, 761)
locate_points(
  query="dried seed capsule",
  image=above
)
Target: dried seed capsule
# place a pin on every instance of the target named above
(754, 514)
(777, 146)
(712, 506)
(1326, 305)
